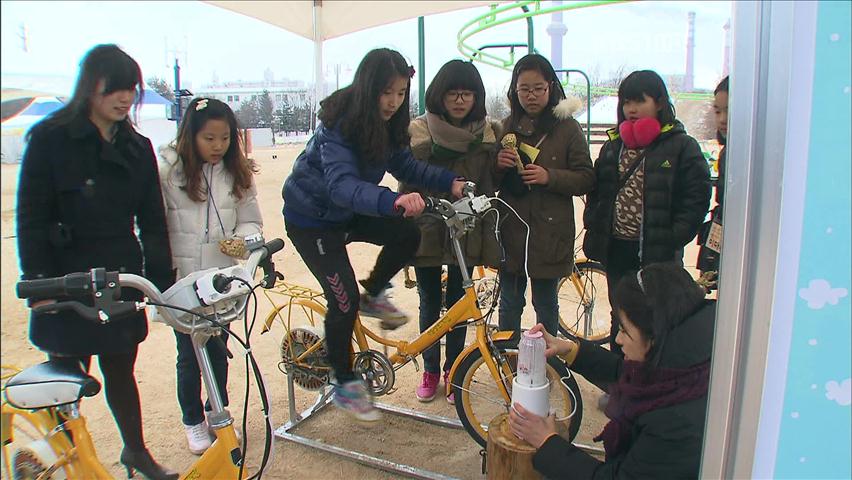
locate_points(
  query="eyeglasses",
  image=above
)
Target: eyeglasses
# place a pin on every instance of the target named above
(454, 96)
(537, 91)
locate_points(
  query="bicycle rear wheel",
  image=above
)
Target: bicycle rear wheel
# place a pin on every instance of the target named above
(584, 310)
(478, 398)
(28, 445)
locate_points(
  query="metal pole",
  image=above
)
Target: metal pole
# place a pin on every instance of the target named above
(588, 99)
(421, 65)
(530, 32)
(178, 109)
(318, 76)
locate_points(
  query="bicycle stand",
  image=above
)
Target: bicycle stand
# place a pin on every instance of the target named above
(324, 399)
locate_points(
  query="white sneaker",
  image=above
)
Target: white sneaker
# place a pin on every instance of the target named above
(380, 307)
(198, 437)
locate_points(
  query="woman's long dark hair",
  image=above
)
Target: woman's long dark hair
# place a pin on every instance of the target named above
(355, 108)
(103, 62)
(556, 93)
(234, 160)
(666, 296)
(646, 82)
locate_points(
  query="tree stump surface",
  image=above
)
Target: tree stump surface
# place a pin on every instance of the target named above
(508, 457)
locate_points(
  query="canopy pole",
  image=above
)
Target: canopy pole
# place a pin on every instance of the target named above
(421, 65)
(318, 77)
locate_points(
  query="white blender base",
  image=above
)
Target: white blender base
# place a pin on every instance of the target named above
(534, 399)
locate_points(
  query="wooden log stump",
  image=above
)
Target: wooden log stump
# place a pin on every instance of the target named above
(508, 457)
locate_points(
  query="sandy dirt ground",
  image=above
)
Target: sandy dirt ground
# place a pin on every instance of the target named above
(447, 451)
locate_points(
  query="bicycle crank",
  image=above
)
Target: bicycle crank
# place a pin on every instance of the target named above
(375, 368)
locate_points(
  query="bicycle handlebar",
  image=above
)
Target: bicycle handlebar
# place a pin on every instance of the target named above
(71, 285)
(197, 291)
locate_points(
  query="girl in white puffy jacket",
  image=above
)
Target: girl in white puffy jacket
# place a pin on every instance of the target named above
(210, 196)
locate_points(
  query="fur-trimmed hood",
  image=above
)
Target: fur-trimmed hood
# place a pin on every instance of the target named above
(567, 107)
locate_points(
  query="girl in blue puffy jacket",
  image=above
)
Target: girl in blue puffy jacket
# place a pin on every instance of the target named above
(332, 198)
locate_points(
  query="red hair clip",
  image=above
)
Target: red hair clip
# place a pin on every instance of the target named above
(411, 71)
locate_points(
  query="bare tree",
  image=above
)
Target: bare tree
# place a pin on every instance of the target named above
(162, 87)
(497, 105)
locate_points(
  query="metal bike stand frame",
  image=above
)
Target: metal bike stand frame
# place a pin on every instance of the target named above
(324, 398)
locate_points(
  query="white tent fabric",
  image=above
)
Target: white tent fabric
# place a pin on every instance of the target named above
(338, 17)
(152, 118)
(322, 20)
(15, 128)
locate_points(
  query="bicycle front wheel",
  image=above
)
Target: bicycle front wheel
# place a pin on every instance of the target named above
(478, 398)
(584, 310)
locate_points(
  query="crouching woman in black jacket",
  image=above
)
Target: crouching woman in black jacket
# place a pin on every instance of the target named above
(658, 391)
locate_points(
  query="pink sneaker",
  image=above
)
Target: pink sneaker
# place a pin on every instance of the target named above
(428, 387)
(451, 398)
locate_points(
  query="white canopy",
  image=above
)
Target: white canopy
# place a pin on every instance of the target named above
(337, 18)
(322, 20)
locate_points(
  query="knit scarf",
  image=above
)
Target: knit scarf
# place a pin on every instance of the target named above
(638, 392)
(449, 141)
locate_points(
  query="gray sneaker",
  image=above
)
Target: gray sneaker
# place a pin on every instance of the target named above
(353, 398)
(380, 307)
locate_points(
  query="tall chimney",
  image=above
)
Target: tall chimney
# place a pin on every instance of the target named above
(689, 78)
(726, 60)
(556, 30)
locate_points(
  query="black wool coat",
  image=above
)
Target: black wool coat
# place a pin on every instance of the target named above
(85, 203)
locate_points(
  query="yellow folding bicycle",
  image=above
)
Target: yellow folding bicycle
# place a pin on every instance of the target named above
(44, 435)
(481, 376)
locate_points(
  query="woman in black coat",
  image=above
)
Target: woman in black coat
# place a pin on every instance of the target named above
(658, 390)
(89, 196)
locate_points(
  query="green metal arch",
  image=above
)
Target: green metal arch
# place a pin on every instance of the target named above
(503, 14)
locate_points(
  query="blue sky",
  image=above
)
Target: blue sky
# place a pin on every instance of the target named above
(232, 47)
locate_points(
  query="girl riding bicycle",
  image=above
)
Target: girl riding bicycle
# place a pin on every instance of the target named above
(332, 198)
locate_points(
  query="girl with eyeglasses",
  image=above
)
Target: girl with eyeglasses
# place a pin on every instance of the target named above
(658, 389)
(454, 134)
(540, 178)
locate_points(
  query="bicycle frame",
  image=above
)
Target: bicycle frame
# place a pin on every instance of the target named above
(465, 309)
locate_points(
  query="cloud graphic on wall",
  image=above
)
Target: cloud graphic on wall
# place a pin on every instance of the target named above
(819, 292)
(839, 392)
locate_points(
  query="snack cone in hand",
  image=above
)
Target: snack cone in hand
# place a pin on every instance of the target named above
(510, 141)
(233, 247)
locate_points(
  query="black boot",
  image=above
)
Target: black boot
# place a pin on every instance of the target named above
(141, 460)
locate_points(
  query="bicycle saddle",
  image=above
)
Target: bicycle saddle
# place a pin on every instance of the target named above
(48, 385)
